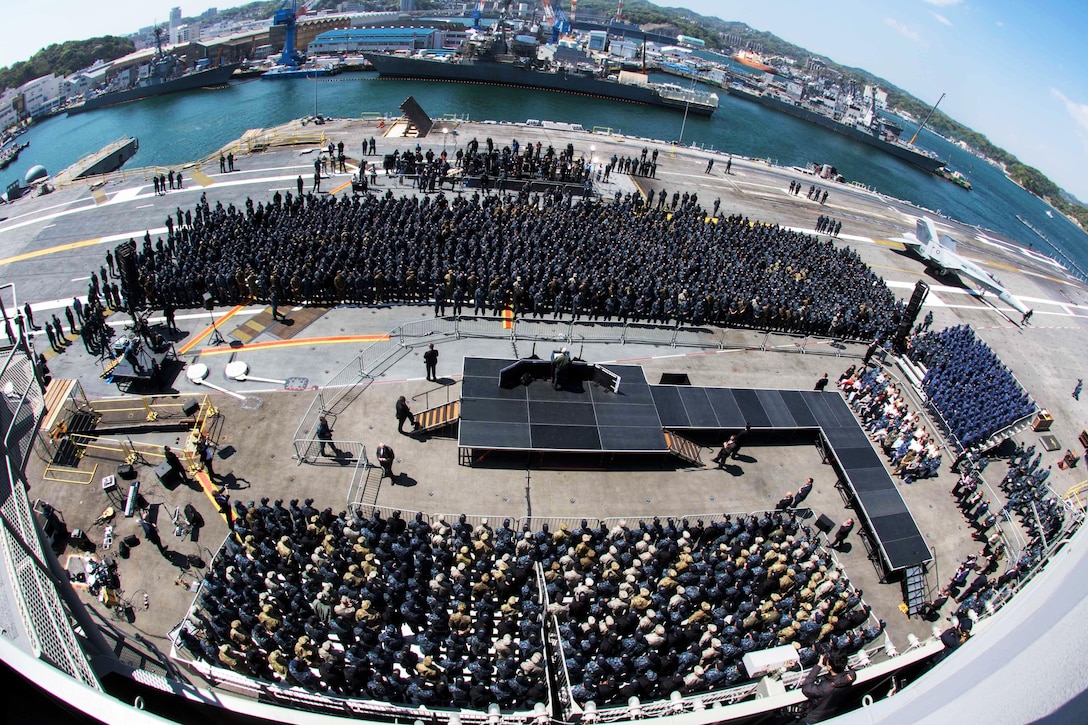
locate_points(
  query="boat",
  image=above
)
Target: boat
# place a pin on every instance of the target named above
(310, 69)
(166, 73)
(483, 59)
(9, 154)
(955, 177)
(867, 126)
(752, 60)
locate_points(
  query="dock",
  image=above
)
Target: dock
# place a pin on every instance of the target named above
(107, 159)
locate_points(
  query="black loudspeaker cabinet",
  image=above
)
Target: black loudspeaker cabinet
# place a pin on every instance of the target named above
(825, 524)
(126, 471)
(190, 408)
(910, 315)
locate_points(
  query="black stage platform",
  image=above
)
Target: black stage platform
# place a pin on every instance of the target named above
(587, 418)
(583, 417)
(864, 480)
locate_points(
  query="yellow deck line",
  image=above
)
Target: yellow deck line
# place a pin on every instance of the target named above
(340, 188)
(201, 178)
(208, 330)
(893, 245)
(273, 344)
(51, 250)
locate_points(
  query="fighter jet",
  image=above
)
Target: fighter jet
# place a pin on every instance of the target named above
(939, 253)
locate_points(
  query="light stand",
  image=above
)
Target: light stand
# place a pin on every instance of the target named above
(687, 105)
(217, 339)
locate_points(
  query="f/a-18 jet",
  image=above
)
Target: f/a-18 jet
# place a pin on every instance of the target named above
(939, 253)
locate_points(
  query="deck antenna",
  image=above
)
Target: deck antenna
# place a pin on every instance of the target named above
(926, 119)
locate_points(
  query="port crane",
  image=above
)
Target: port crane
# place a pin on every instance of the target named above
(287, 17)
(559, 20)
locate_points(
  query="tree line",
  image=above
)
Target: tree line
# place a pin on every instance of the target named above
(65, 58)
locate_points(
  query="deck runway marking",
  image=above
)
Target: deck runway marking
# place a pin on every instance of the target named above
(208, 330)
(51, 250)
(124, 195)
(899, 246)
(340, 188)
(200, 177)
(276, 344)
(80, 244)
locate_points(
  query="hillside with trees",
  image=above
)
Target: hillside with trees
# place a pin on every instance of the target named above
(64, 59)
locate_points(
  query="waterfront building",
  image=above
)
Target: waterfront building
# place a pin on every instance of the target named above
(384, 40)
(39, 94)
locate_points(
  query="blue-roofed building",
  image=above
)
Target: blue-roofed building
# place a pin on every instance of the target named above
(384, 40)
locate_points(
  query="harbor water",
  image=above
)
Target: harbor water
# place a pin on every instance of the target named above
(182, 127)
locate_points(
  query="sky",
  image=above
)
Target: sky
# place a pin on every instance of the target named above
(1012, 70)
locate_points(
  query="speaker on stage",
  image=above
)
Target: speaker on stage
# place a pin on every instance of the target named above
(190, 408)
(209, 303)
(825, 524)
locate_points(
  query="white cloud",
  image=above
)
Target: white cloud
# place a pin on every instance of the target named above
(904, 31)
(1077, 111)
(1000, 24)
(943, 3)
(941, 19)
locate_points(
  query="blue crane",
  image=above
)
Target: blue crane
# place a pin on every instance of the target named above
(559, 20)
(286, 16)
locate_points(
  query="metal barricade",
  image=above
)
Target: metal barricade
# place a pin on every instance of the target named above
(538, 328)
(348, 375)
(473, 520)
(705, 337)
(556, 523)
(609, 332)
(647, 334)
(489, 327)
(415, 329)
(784, 342)
(308, 450)
(741, 338)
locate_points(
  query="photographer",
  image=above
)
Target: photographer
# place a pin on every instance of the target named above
(826, 686)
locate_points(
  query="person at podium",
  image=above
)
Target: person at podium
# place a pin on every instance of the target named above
(560, 368)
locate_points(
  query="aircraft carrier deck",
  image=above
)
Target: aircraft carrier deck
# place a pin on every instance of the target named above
(50, 244)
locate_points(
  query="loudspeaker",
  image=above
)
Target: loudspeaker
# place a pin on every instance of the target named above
(208, 302)
(164, 473)
(190, 408)
(921, 289)
(825, 524)
(130, 277)
(126, 471)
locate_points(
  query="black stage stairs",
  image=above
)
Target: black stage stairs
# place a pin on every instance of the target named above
(69, 453)
(915, 585)
(437, 418)
(683, 448)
